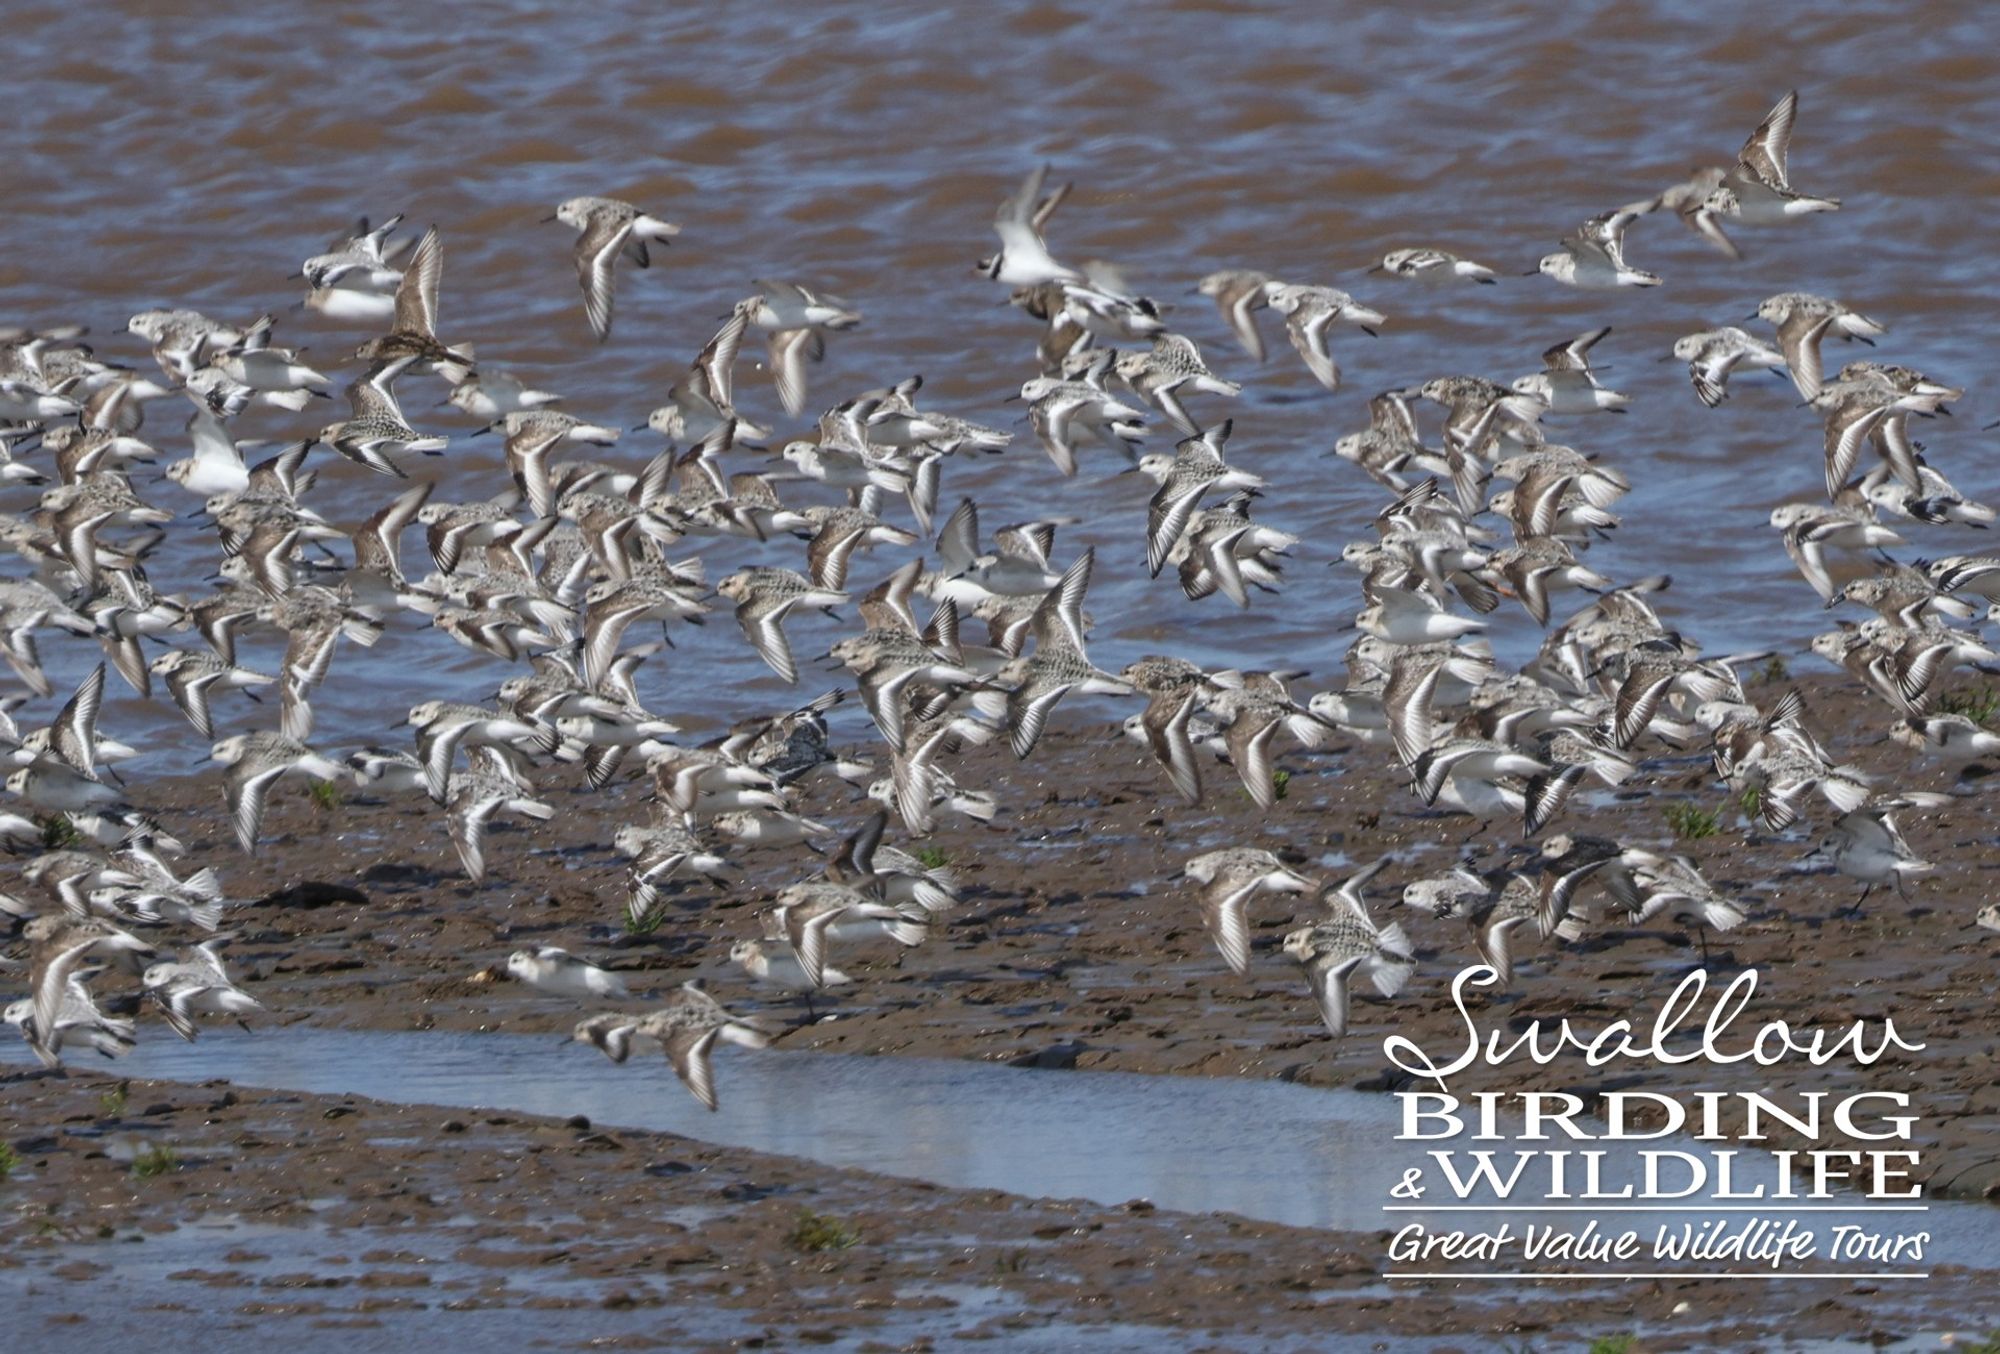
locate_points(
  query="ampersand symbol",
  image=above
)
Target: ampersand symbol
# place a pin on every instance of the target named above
(1409, 1188)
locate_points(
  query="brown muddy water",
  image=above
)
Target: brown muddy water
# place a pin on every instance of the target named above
(193, 155)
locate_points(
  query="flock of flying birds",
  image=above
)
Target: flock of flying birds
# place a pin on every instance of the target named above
(574, 556)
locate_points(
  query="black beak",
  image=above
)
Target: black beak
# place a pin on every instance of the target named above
(545, 220)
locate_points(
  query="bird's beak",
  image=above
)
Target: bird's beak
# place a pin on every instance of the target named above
(545, 220)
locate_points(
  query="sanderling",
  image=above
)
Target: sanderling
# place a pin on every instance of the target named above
(1976, 574)
(1252, 707)
(195, 984)
(53, 785)
(885, 663)
(798, 321)
(768, 827)
(1866, 844)
(606, 228)
(551, 969)
(1172, 366)
(1594, 256)
(614, 605)
(658, 852)
(217, 466)
(184, 340)
(1309, 313)
(26, 606)
(443, 727)
(919, 781)
(1431, 265)
(89, 506)
(897, 877)
(1567, 384)
(771, 961)
(705, 781)
(489, 394)
(1172, 728)
(1859, 414)
(77, 1020)
(686, 1029)
(1756, 190)
(59, 946)
(1402, 616)
(472, 799)
(1642, 885)
(1224, 550)
(764, 597)
(73, 737)
(1538, 566)
(1023, 260)
(386, 770)
(364, 261)
(1239, 293)
(1195, 469)
(1904, 595)
(376, 429)
(813, 914)
(413, 334)
(1685, 199)
(191, 676)
(1474, 768)
(1802, 321)
(1229, 879)
(1811, 529)
(1336, 952)
(1062, 412)
(269, 369)
(839, 531)
(1039, 681)
(255, 762)
(1712, 354)
(1018, 567)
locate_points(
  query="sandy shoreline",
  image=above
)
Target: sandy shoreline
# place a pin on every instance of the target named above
(1076, 946)
(336, 1214)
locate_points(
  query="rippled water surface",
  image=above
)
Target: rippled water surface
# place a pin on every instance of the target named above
(1290, 1154)
(194, 154)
